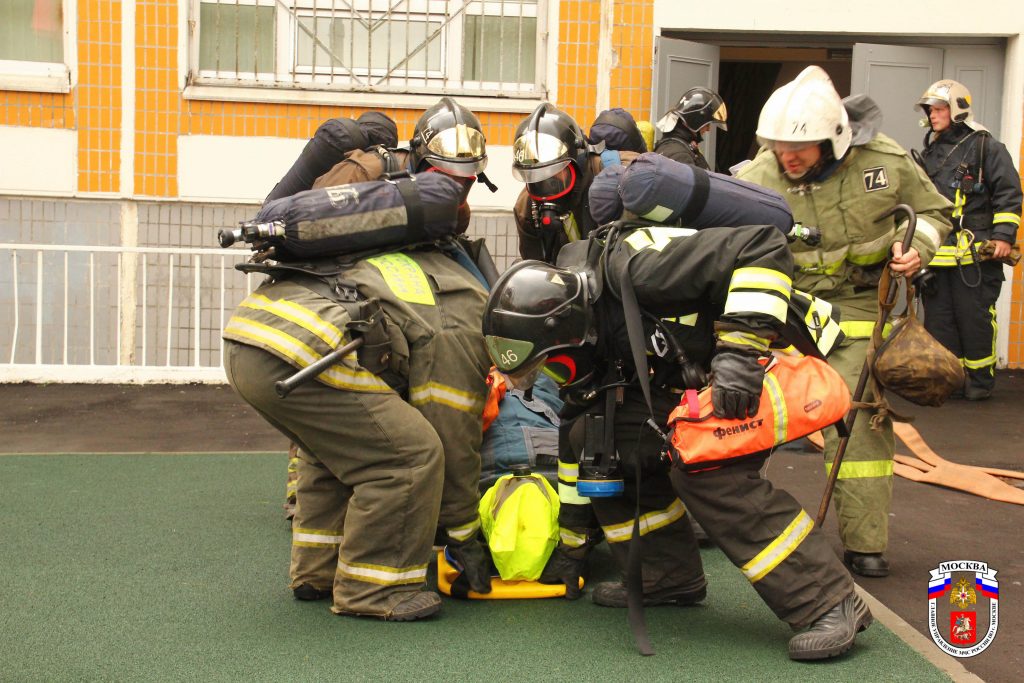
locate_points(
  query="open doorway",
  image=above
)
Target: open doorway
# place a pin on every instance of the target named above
(749, 75)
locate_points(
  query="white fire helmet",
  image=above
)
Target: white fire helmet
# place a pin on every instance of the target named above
(807, 109)
(952, 94)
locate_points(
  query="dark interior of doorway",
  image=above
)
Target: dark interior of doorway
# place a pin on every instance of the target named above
(746, 78)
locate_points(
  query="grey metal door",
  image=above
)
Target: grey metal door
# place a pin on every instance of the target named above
(678, 66)
(895, 76)
(980, 68)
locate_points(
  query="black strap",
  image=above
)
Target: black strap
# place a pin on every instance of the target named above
(698, 198)
(634, 563)
(413, 205)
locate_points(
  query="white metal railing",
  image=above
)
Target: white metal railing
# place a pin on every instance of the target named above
(116, 314)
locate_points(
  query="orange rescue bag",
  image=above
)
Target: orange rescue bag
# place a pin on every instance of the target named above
(800, 395)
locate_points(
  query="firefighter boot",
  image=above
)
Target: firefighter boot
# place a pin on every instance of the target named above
(613, 594)
(833, 632)
(873, 565)
(307, 591)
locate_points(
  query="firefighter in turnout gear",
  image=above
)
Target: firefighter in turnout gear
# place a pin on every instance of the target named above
(974, 170)
(390, 455)
(839, 174)
(684, 125)
(711, 302)
(552, 156)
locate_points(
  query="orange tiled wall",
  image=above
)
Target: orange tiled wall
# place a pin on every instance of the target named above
(1015, 350)
(98, 96)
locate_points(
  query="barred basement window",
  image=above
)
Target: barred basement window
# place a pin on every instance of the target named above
(471, 47)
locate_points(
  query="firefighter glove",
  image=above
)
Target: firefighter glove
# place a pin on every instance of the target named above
(736, 380)
(566, 566)
(475, 562)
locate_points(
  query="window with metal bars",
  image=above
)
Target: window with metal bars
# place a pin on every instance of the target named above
(475, 47)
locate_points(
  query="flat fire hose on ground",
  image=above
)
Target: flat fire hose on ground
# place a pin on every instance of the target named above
(929, 467)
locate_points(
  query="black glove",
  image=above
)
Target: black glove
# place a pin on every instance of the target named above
(736, 381)
(566, 566)
(475, 561)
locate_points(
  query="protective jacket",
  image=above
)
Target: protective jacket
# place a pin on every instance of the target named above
(843, 202)
(538, 241)
(974, 171)
(871, 179)
(718, 286)
(681, 145)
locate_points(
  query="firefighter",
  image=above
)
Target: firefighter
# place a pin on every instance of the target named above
(839, 176)
(553, 157)
(385, 461)
(684, 126)
(974, 170)
(712, 301)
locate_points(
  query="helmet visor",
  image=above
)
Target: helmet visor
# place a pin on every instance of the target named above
(719, 117)
(782, 146)
(459, 150)
(524, 377)
(554, 187)
(537, 156)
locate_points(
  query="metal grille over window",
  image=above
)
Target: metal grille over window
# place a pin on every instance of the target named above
(455, 46)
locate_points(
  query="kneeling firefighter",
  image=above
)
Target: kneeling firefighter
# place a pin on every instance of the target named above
(693, 302)
(389, 432)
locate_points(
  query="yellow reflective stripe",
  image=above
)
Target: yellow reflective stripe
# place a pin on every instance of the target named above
(1006, 217)
(405, 278)
(656, 238)
(779, 549)
(862, 469)
(316, 538)
(779, 410)
(752, 277)
(571, 538)
(959, 199)
(867, 253)
(299, 315)
(658, 214)
(568, 472)
(652, 521)
(572, 231)
(687, 320)
(757, 302)
(338, 376)
(744, 339)
(568, 494)
(464, 532)
(860, 329)
(383, 575)
(285, 344)
(818, 261)
(435, 392)
(979, 364)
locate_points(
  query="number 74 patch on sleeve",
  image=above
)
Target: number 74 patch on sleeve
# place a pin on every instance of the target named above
(875, 179)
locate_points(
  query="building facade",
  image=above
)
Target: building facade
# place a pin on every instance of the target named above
(135, 130)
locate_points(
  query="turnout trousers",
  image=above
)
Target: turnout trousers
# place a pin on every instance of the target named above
(863, 492)
(369, 483)
(769, 537)
(963, 318)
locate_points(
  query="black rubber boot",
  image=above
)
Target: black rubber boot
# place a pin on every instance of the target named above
(873, 565)
(306, 591)
(613, 594)
(833, 632)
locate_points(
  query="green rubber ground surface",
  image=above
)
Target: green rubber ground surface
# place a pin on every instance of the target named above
(174, 567)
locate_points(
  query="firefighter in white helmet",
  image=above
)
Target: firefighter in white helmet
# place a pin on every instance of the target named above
(973, 169)
(838, 173)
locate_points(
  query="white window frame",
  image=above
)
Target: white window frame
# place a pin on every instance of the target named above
(418, 90)
(50, 77)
